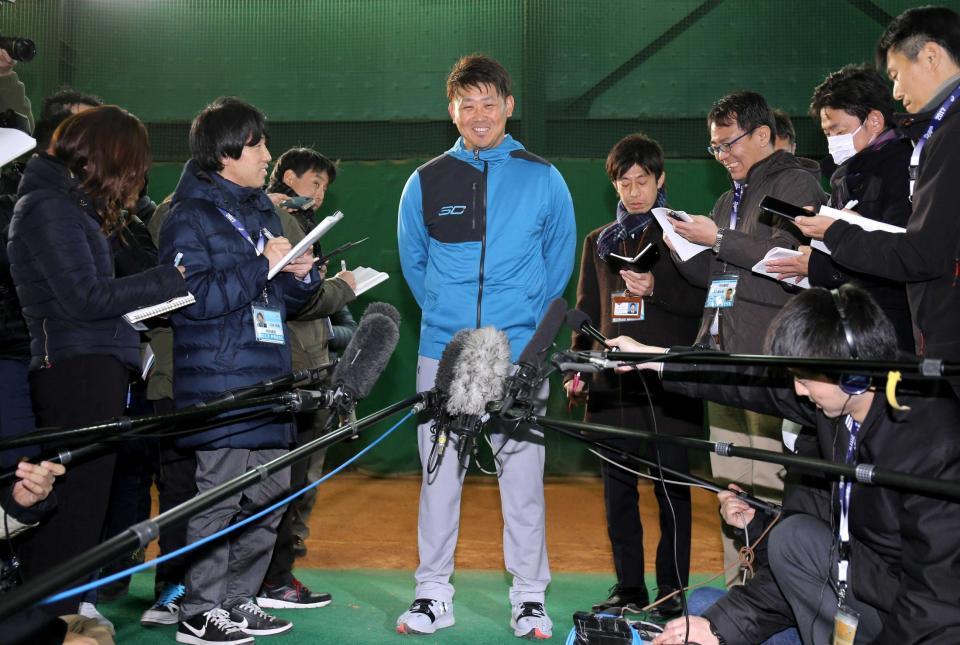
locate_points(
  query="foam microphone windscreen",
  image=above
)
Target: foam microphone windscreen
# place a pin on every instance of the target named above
(480, 374)
(447, 366)
(384, 308)
(546, 331)
(366, 355)
(576, 318)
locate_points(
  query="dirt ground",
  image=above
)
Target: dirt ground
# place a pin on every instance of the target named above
(371, 523)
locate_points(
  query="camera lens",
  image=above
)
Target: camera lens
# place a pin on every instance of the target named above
(21, 49)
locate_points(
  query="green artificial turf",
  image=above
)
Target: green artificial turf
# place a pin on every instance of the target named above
(366, 604)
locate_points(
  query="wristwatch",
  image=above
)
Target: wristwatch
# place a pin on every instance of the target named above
(716, 244)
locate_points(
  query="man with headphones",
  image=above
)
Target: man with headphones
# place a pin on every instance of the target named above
(885, 562)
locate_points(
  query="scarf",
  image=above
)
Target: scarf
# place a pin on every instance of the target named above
(627, 225)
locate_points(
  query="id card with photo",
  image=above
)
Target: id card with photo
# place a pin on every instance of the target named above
(722, 292)
(626, 307)
(267, 325)
(845, 624)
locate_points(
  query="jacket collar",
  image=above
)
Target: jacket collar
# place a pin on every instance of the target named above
(196, 183)
(492, 156)
(779, 160)
(914, 125)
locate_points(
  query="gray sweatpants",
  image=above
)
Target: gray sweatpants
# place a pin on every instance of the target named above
(804, 564)
(521, 501)
(232, 568)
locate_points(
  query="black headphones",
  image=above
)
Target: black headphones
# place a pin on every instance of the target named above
(851, 384)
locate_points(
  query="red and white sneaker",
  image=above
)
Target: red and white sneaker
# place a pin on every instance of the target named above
(530, 620)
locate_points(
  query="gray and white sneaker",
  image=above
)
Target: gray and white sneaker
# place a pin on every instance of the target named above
(213, 627)
(425, 616)
(166, 610)
(252, 620)
(530, 620)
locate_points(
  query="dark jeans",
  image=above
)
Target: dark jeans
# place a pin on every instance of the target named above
(623, 517)
(74, 392)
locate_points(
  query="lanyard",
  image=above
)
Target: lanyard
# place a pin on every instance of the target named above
(258, 246)
(934, 124)
(853, 427)
(737, 196)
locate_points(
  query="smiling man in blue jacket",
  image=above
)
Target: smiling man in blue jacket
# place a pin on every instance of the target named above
(487, 237)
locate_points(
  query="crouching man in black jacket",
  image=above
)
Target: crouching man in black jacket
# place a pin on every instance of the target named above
(903, 566)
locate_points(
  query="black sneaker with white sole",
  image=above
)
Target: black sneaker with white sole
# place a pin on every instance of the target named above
(213, 627)
(252, 620)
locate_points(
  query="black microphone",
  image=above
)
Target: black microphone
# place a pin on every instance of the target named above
(437, 397)
(527, 377)
(580, 322)
(364, 360)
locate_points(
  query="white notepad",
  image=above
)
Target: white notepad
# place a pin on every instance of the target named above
(777, 253)
(14, 143)
(315, 234)
(684, 248)
(135, 316)
(368, 278)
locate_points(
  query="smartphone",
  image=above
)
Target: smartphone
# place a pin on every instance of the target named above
(783, 209)
(297, 203)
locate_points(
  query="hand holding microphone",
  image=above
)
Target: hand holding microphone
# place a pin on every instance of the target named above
(627, 344)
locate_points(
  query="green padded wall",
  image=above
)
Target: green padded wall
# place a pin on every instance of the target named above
(362, 81)
(368, 194)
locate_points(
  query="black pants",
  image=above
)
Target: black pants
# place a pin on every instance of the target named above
(804, 562)
(74, 392)
(176, 471)
(621, 499)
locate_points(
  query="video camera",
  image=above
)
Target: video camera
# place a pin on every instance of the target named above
(21, 49)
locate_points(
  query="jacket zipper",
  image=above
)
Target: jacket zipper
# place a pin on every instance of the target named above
(483, 234)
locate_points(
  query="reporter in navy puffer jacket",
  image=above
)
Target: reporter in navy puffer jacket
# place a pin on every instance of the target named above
(82, 352)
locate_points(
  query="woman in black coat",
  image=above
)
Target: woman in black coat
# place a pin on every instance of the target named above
(83, 353)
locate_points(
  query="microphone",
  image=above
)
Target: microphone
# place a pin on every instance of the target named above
(364, 359)
(480, 376)
(533, 357)
(384, 308)
(436, 398)
(580, 322)
(308, 400)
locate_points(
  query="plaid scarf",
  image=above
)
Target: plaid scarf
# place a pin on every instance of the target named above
(627, 225)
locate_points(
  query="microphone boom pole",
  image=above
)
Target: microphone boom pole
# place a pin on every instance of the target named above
(862, 473)
(126, 427)
(140, 535)
(756, 502)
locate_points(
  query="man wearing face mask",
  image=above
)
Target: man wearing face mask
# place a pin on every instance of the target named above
(920, 51)
(855, 110)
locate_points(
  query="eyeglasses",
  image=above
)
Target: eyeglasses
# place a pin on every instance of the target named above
(725, 147)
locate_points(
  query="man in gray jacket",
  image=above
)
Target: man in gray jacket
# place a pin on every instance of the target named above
(742, 135)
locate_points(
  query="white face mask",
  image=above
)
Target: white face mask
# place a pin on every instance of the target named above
(841, 146)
